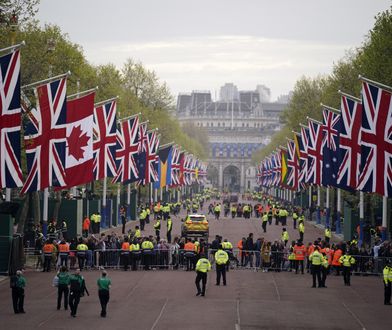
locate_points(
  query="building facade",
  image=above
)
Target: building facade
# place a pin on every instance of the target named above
(236, 129)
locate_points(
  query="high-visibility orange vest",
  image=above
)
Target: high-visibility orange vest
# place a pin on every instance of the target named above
(125, 246)
(86, 224)
(63, 248)
(299, 252)
(189, 247)
(336, 256)
(48, 248)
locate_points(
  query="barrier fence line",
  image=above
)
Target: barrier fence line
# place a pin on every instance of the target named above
(171, 258)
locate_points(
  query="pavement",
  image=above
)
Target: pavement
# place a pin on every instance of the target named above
(165, 299)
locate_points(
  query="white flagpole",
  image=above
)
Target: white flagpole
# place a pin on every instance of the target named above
(8, 194)
(327, 208)
(338, 211)
(361, 216)
(104, 199)
(384, 217)
(128, 196)
(310, 197)
(318, 217)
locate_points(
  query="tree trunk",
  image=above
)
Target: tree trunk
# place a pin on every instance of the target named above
(36, 208)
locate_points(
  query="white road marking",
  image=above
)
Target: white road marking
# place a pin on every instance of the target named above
(355, 317)
(276, 287)
(160, 315)
(237, 325)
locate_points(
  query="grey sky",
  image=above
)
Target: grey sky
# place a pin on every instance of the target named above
(203, 44)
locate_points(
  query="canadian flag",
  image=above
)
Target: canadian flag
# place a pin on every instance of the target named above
(79, 151)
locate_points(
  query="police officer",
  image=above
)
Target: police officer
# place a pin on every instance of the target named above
(104, 283)
(285, 236)
(125, 253)
(327, 234)
(264, 219)
(169, 226)
(123, 218)
(347, 261)
(142, 218)
(316, 259)
(135, 253)
(301, 228)
(387, 276)
(221, 259)
(64, 229)
(18, 283)
(147, 248)
(157, 227)
(202, 267)
(81, 253)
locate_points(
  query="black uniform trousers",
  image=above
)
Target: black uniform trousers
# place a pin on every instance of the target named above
(74, 299)
(264, 226)
(346, 275)
(201, 277)
(387, 293)
(316, 272)
(103, 299)
(62, 289)
(220, 271)
(18, 300)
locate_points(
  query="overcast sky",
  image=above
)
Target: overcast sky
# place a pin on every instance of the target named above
(201, 44)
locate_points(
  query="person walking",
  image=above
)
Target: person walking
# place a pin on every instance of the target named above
(203, 266)
(221, 259)
(62, 288)
(300, 252)
(327, 234)
(77, 290)
(264, 223)
(81, 253)
(285, 236)
(387, 276)
(18, 284)
(316, 259)
(347, 261)
(86, 226)
(301, 229)
(157, 227)
(104, 283)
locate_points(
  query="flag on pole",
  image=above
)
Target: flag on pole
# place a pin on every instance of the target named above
(128, 146)
(45, 138)
(150, 155)
(164, 167)
(350, 141)
(315, 157)
(301, 144)
(284, 168)
(10, 121)
(332, 123)
(376, 140)
(292, 165)
(79, 153)
(105, 140)
(175, 168)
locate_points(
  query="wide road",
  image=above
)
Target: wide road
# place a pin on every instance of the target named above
(166, 299)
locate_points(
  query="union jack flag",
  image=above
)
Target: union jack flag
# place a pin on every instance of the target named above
(376, 140)
(151, 154)
(187, 169)
(10, 121)
(105, 140)
(293, 166)
(142, 137)
(45, 138)
(276, 169)
(128, 145)
(314, 150)
(301, 144)
(350, 141)
(175, 168)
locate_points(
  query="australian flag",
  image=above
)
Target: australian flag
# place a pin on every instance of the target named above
(332, 153)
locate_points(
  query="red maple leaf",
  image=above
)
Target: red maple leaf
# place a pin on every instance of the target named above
(76, 141)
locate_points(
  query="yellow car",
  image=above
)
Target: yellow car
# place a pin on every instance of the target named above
(195, 225)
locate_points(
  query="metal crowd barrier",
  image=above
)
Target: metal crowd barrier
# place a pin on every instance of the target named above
(180, 259)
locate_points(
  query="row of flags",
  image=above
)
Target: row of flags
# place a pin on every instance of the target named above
(72, 140)
(350, 149)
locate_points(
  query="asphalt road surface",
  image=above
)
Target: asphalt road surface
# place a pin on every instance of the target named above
(165, 299)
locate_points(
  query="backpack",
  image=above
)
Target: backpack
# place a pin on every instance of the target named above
(13, 281)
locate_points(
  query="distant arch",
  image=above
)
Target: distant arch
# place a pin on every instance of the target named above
(231, 178)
